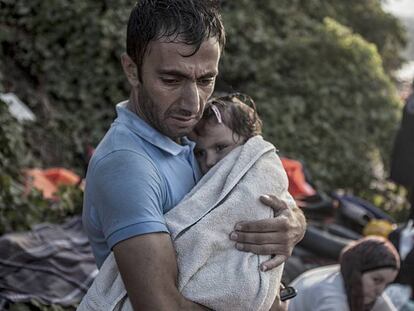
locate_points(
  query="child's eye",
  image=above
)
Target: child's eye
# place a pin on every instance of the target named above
(221, 147)
(198, 153)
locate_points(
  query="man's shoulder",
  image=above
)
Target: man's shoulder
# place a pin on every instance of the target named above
(121, 148)
(120, 139)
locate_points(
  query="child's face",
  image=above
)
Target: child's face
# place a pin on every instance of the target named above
(214, 143)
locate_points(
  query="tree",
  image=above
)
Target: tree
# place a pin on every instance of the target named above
(320, 88)
(62, 59)
(368, 19)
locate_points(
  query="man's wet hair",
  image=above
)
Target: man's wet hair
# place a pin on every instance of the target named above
(184, 21)
(236, 110)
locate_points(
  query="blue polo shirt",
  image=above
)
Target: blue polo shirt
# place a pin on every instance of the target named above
(135, 176)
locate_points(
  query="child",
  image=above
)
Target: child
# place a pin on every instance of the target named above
(227, 123)
(238, 166)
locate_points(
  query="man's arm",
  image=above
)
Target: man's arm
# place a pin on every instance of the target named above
(274, 236)
(148, 268)
(129, 193)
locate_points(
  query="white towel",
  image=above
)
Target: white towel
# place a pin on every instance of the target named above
(212, 272)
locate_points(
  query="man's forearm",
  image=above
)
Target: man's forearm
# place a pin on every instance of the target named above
(148, 268)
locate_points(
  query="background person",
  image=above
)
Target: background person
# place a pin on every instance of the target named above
(365, 268)
(402, 159)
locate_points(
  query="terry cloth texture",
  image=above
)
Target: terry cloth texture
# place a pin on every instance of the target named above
(211, 271)
(52, 264)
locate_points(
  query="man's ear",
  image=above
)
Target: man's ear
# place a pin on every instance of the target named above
(130, 69)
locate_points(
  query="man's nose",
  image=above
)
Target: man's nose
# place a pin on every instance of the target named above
(191, 99)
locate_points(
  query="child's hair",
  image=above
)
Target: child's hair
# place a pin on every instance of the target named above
(235, 110)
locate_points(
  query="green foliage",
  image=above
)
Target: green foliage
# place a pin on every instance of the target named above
(326, 98)
(368, 19)
(20, 208)
(409, 24)
(13, 150)
(62, 59)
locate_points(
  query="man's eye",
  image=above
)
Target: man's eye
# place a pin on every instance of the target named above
(170, 80)
(206, 81)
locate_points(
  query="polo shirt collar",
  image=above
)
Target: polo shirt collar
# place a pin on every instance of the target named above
(148, 133)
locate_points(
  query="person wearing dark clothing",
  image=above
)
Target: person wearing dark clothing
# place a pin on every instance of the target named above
(402, 159)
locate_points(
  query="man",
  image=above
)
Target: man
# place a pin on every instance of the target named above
(145, 165)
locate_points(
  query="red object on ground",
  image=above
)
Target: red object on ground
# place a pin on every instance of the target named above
(49, 180)
(298, 186)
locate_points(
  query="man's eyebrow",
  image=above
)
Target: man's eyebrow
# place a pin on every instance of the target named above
(177, 73)
(172, 72)
(210, 74)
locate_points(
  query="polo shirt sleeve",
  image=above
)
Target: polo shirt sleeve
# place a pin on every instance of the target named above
(128, 196)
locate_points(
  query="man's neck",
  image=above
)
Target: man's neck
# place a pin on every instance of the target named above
(132, 105)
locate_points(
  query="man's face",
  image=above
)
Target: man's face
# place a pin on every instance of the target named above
(174, 88)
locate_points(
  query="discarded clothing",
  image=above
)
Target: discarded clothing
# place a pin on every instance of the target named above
(52, 264)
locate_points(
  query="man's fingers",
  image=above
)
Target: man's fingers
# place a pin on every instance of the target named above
(273, 263)
(265, 225)
(265, 249)
(260, 239)
(273, 202)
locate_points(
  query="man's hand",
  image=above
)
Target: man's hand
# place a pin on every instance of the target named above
(275, 236)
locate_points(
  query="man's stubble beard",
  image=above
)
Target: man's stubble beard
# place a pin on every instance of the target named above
(148, 111)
